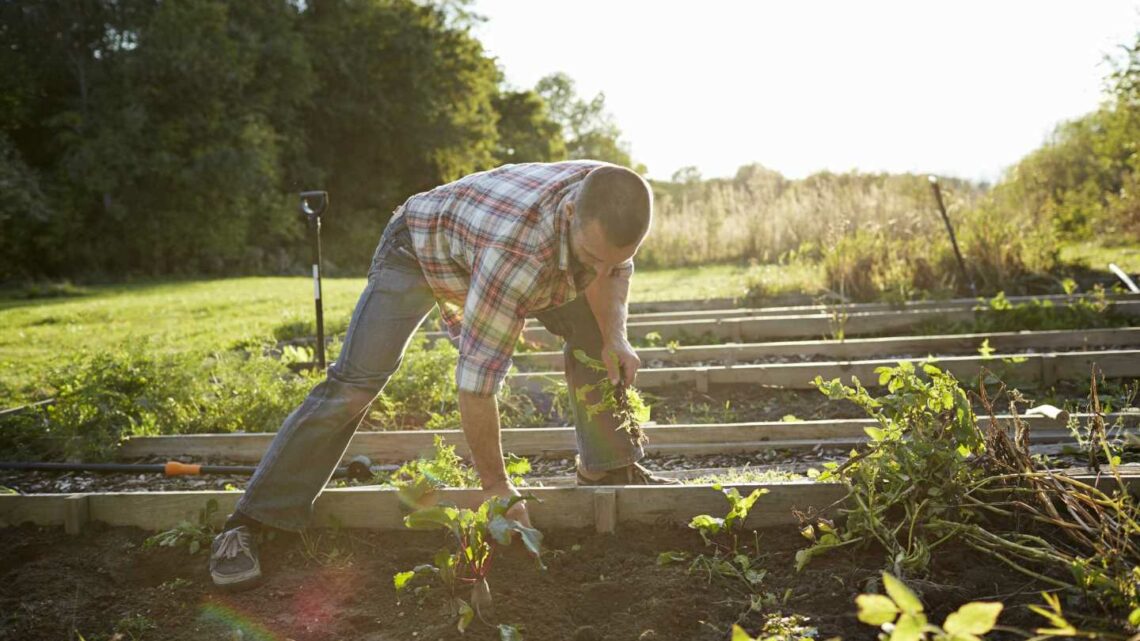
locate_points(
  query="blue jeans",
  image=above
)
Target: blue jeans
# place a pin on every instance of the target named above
(313, 439)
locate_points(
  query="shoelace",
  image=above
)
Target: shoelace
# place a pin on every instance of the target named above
(234, 542)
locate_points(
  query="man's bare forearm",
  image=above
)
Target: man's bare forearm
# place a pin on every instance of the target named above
(607, 296)
(480, 418)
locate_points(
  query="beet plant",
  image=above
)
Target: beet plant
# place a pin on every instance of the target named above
(623, 401)
(729, 559)
(474, 537)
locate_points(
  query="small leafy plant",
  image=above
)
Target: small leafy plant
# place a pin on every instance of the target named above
(624, 402)
(444, 468)
(899, 613)
(467, 560)
(729, 559)
(195, 536)
(778, 627)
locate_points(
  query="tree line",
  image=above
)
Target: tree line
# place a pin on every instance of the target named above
(148, 137)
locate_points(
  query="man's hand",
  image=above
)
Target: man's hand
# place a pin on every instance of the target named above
(518, 511)
(622, 362)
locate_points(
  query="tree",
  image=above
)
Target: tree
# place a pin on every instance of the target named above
(526, 131)
(404, 103)
(590, 130)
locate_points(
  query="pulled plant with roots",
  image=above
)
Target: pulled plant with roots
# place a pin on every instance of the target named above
(624, 402)
(931, 476)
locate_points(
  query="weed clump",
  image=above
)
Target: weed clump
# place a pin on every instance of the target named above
(624, 402)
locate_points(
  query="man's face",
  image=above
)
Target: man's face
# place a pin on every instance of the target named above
(591, 249)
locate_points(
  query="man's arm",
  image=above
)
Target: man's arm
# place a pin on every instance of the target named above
(608, 295)
(480, 418)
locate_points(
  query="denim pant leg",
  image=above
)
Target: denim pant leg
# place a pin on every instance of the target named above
(313, 439)
(602, 445)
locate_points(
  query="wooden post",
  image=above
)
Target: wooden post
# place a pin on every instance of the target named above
(75, 514)
(702, 379)
(605, 511)
(1048, 370)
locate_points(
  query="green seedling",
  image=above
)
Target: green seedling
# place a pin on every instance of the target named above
(195, 536)
(728, 560)
(779, 628)
(467, 560)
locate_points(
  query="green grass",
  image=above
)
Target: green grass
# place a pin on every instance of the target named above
(724, 281)
(210, 315)
(1095, 256)
(174, 317)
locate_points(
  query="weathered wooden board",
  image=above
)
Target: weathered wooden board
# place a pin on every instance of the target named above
(728, 308)
(1021, 369)
(375, 508)
(810, 325)
(854, 348)
(716, 438)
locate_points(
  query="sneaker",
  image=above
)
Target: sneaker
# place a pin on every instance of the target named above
(233, 559)
(633, 474)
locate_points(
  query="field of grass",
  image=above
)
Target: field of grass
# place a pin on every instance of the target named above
(203, 316)
(210, 315)
(174, 317)
(1096, 256)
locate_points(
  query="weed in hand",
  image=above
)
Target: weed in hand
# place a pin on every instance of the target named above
(624, 402)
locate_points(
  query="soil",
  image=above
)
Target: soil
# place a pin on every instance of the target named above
(340, 587)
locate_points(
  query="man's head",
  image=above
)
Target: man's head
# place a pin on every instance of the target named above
(610, 217)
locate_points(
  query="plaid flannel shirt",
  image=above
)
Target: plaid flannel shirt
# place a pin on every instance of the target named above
(494, 247)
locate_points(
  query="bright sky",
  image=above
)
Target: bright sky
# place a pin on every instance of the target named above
(961, 88)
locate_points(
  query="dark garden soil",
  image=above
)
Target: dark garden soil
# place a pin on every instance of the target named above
(340, 588)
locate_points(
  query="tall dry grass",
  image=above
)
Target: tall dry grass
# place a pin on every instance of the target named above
(877, 235)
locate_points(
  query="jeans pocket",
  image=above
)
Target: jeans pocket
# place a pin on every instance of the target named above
(395, 249)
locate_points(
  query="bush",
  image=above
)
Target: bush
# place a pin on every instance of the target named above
(103, 398)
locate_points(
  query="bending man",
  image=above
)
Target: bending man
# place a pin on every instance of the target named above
(552, 240)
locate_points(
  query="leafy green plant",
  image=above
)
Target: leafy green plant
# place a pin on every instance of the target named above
(710, 526)
(624, 402)
(900, 615)
(728, 559)
(918, 479)
(778, 627)
(105, 397)
(1088, 310)
(135, 627)
(194, 536)
(930, 475)
(443, 468)
(467, 560)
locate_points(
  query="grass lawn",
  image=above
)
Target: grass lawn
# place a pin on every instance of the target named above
(206, 315)
(1096, 256)
(200, 315)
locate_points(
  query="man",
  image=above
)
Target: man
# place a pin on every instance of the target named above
(552, 240)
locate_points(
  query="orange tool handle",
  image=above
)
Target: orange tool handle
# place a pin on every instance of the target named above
(174, 468)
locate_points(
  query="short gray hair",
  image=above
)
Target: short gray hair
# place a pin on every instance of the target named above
(620, 200)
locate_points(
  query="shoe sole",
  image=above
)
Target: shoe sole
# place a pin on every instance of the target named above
(236, 582)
